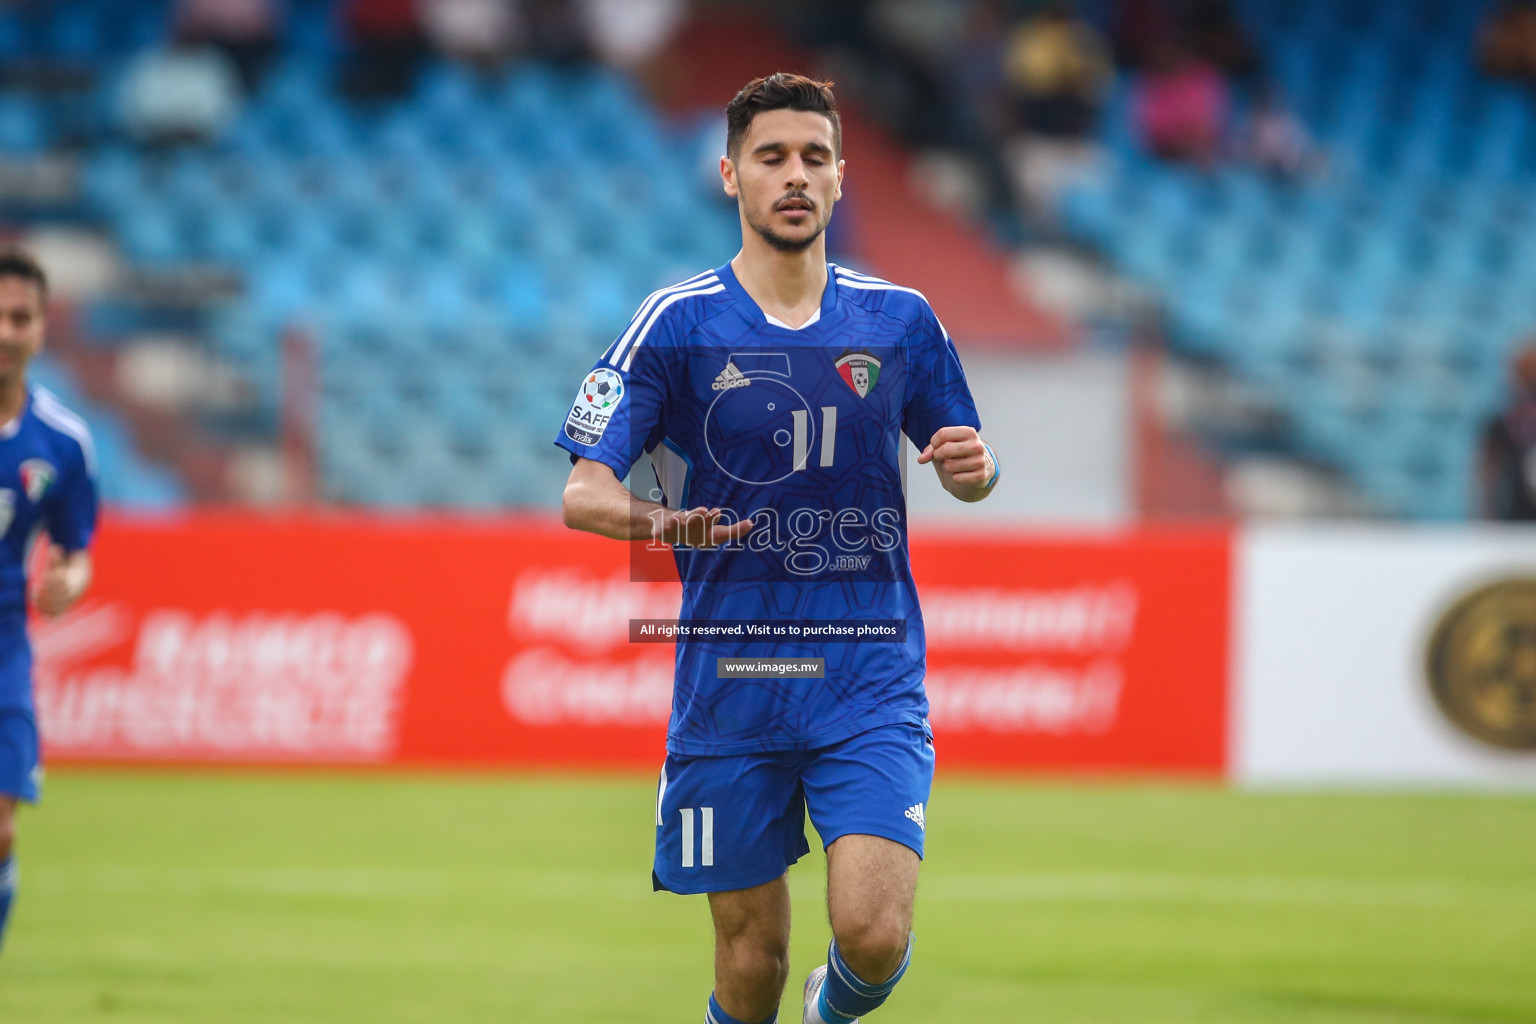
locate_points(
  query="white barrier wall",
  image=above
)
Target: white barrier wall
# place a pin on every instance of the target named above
(1062, 428)
(1333, 669)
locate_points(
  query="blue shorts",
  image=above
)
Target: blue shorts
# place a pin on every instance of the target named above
(734, 822)
(21, 770)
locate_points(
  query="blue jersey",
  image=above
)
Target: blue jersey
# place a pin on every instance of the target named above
(800, 429)
(47, 483)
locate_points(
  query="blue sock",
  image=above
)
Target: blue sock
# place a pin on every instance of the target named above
(7, 890)
(845, 996)
(715, 1015)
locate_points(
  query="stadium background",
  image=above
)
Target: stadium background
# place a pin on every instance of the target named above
(324, 299)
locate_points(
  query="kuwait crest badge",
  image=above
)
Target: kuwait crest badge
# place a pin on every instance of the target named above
(36, 476)
(859, 370)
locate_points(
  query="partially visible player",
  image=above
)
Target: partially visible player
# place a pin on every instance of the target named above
(47, 483)
(1507, 462)
(776, 396)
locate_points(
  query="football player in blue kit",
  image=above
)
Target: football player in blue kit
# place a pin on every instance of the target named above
(772, 395)
(47, 482)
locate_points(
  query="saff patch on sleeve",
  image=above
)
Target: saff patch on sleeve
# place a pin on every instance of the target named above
(596, 402)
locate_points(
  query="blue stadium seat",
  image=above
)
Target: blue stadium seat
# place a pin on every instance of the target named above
(148, 488)
(73, 32)
(295, 82)
(525, 294)
(148, 234)
(441, 294)
(312, 32)
(133, 27)
(234, 236)
(23, 130)
(111, 177)
(473, 237)
(1088, 211)
(280, 287)
(14, 38)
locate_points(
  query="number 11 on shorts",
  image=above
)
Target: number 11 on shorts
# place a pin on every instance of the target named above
(706, 836)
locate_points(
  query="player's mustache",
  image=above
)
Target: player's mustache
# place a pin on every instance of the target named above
(789, 197)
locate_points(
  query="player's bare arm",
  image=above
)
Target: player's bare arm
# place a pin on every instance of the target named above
(596, 500)
(64, 582)
(965, 464)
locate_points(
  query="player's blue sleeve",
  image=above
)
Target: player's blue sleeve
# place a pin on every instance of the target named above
(71, 515)
(616, 430)
(937, 393)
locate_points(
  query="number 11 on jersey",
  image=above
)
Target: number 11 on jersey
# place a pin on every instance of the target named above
(828, 435)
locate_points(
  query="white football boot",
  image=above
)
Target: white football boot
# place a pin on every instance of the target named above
(809, 1014)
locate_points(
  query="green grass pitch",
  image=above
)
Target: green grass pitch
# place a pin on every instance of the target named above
(151, 898)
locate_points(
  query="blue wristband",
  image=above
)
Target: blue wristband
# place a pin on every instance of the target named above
(997, 467)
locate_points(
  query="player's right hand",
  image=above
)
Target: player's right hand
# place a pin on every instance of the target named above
(697, 528)
(57, 589)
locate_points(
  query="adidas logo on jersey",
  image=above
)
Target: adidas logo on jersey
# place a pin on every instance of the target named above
(730, 377)
(915, 812)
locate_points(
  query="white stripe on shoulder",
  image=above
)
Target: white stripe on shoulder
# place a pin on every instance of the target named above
(855, 278)
(661, 308)
(617, 348)
(863, 277)
(875, 285)
(53, 412)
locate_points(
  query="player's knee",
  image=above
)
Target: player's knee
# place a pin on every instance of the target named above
(758, 962)
(7, 834)
(873, 944)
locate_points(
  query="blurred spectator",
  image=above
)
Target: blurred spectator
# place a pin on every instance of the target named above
(1508, 465)
(556, 31)
(1213, 32)
(1138, 27)
(1275, 140)
(247, 31)
(181, 93)
(482, 33)
(630, 33)
(974, 68)
(386, 48)
(1059, 68)
(1180, 106)
(1506, 45)
(904, 48)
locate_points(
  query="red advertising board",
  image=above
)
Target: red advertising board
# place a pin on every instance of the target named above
(1090, 653)
(217, 639)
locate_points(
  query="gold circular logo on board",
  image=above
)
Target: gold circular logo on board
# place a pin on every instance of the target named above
(1482, 664)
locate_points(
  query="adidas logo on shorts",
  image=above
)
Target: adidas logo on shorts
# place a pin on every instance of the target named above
(915, 812)
(730, 377)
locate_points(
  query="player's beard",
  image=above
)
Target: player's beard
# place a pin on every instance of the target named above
(780, 242)
(13, 363)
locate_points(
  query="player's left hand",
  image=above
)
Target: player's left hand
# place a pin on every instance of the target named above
(959, 456)
(59, 587)
(698, 527)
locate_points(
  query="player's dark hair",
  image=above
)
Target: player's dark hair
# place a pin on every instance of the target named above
(16, 262)
(781, 91)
